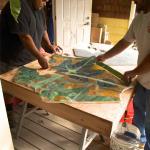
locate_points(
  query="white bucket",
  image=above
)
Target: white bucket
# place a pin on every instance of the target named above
(119, 141)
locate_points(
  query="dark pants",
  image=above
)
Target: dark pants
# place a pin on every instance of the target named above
(142, 113)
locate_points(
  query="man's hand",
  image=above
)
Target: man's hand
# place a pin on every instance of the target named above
(43, 62)
(57, 49)
(101, 58)
(47, 44)
(43, 52)
(128, 76)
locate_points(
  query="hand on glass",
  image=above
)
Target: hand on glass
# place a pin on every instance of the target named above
(43, 62)
(43, 52)
(57, 49)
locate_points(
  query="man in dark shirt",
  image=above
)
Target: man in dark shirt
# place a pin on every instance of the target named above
(20, 42)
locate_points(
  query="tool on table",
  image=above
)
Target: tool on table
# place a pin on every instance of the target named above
(111, 70)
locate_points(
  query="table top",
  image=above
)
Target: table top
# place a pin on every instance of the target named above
(99, 117)
(126, 58)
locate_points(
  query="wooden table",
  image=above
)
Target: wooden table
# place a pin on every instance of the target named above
(100, 118)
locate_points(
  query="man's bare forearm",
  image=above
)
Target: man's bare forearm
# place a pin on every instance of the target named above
(29, 45)
(46, 42)
(118, 48)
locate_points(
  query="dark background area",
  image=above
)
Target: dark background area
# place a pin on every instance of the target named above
(112, 8)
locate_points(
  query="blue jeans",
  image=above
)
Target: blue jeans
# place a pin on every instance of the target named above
(141, 118)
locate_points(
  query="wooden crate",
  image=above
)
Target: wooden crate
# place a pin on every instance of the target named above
(96, 34)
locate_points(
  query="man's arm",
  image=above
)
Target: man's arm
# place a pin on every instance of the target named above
(118, 48)
(29, 45)
(46, 42)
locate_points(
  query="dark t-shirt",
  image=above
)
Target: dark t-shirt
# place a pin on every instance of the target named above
(31, 22)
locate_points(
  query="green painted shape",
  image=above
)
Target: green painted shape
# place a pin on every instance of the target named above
(53, 86)
(83, 69)
(106, 85)
(49, 95)
(58, 90)
(46, 81)
(52, 60)
(111, 70)
(90, 98)
(68, 66)
(86, 62)
(84, 97)
(80, 91)
(97, 80)
(15, 7)
(27, 76)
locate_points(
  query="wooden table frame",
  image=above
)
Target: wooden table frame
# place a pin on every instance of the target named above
(100, 118)
(86, 138)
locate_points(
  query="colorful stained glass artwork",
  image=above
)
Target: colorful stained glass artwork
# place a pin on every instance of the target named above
(72, 80)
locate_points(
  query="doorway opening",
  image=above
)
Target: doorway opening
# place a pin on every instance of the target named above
(110, 20)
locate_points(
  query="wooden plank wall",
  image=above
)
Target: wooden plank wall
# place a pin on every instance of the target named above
(116, 28)
(112, 8)
(113, 13)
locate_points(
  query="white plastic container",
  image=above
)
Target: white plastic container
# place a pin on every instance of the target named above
(120, 141)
